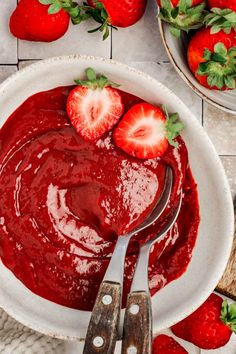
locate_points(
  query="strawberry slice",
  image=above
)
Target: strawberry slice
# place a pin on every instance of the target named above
(94, 106)
(146, 131)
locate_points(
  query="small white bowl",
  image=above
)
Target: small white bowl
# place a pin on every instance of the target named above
(181, 297)
(176, 49)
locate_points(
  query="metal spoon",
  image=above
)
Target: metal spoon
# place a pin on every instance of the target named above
(102, 331)
(137, 336)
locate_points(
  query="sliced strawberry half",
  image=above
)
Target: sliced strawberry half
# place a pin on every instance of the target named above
(145, 131)
(94, 106)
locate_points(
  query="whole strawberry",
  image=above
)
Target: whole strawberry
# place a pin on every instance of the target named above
(163, 344)
(210, 326)
(115, 13)
(182, 14)
(212, 58)
(31, 21)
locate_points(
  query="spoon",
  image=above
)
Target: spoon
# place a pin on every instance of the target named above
(102, 332)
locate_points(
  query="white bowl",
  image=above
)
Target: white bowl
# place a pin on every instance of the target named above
(176, 49)
(213, 246)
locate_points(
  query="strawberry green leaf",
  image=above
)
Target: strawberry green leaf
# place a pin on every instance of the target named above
(219, 58)
(54, 8)
(175, 12)
(215, 29)
(230, 82)
(175, 31)
(220, 49)
(202, 69)
(228, 315)
(91, 75)
(46, 2)
(173, 127)
(207, 54)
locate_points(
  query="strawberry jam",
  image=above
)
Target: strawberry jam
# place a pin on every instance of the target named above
(64, 201)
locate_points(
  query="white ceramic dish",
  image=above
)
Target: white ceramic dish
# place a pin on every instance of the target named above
(176, 50)
(179, 298)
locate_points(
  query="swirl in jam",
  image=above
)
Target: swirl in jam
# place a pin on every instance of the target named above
(64, 201)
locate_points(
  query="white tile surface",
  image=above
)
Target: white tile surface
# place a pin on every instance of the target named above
(166, 74)
(141, 42)
(221, 128)
(6, 71)
(75, 41)
(8, 44)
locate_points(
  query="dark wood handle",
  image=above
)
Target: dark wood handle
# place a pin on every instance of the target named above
(103, 328)
(137, 337)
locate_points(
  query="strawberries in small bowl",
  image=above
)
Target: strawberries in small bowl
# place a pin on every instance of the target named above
(205, 57)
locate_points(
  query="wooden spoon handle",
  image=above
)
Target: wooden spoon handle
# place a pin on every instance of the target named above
(102, 332)
(137, 336)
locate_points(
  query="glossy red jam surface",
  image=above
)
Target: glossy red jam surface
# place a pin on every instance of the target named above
(64, 201)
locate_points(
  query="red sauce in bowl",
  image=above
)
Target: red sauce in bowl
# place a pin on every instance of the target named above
(64, 201)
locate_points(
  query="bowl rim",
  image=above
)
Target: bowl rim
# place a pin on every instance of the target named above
(204, 294)
(161, 24)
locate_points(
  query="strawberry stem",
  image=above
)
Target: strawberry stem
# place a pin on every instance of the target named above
(100, 15)
(173, 127)
(95, 81)
(220, 19)
(228, 315)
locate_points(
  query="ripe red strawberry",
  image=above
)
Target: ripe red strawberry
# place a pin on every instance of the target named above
(210, 326)
(94, 106)
(163, 344)
(31, 21)
(223, 4)
(115, 13)
(212, 58)
(145, 131)
(182, 14)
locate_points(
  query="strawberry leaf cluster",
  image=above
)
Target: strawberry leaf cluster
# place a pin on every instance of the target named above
(228, 315)
(173, 127)
(219, 66)
(220, 19)
(182, 17)
(95, 81)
